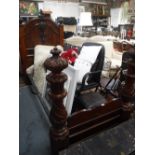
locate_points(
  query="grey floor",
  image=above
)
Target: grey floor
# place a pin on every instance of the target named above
(34, 133)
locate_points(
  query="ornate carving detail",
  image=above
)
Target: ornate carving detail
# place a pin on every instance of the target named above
(42, 28)
(58, 115)
(128, 89)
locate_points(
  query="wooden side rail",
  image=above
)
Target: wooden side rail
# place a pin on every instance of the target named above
(87, 122)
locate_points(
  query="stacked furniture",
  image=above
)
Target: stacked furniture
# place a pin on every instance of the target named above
(87, 69)
(67, 129)
(113, 58)
(112, 54)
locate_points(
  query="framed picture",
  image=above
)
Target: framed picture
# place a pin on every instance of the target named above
(28, 8)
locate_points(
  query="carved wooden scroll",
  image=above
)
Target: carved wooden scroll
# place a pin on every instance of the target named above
(58, 114)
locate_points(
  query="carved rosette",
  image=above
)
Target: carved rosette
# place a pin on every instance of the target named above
(58, 114)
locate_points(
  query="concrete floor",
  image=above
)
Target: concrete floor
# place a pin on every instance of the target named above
(34, 133)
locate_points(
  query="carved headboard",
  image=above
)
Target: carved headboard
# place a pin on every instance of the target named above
(41, 30)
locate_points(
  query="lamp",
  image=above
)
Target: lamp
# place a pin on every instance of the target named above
(85, 19)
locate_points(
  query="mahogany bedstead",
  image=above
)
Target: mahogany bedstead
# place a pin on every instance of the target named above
(66, 130)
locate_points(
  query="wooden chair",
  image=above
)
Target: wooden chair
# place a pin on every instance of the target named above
(91, 80)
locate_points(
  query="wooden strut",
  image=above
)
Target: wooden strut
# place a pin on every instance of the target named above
(58, 115)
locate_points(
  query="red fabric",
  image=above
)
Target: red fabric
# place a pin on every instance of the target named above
(129, 33)
(70, 55)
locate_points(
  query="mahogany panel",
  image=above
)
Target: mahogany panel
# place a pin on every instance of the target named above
(85, 115)
(90, 121)
(41, 30)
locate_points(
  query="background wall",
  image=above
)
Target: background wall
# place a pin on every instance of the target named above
(72, 9)
(115, 16)
(124, 14)
(64, 9)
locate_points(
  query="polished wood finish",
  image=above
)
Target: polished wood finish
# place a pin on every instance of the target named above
(58, 115)
(90, 121)
(128, 88)
(41, 30)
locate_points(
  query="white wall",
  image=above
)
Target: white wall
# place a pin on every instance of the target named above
(121, 15)
(115, 16)
(64, 9)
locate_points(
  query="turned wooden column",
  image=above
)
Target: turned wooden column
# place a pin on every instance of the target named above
(58, 114)
(128, 89)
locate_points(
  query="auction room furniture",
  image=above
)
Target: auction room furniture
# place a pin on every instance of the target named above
(85, 70)
(69, 128)
(107, 41)
(114, 47)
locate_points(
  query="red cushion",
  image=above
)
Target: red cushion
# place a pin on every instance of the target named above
(69, 55)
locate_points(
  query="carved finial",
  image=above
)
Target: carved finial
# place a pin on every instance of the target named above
(55, 52)
(56, 64)
(58, 114)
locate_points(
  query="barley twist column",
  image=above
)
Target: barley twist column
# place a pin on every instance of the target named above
(58, 114)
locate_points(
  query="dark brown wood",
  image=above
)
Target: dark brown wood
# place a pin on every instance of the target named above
(58, 114)
(85, 114)
(41, 30)
(128, 89)
(90, 121)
